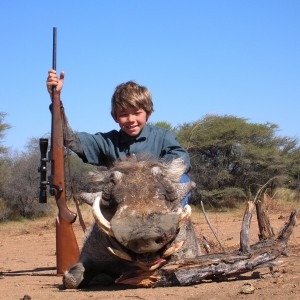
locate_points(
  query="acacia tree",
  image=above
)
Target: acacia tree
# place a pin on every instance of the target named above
(231, 157)
(4, 163)
(294, 167)
(3, 128)
(164, 124)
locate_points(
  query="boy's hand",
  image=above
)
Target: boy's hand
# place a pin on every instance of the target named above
(53, 80)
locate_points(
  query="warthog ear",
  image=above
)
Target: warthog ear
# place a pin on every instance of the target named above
(174, 169)
(183, 189)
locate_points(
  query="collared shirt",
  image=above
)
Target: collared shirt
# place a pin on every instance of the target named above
(103, 149)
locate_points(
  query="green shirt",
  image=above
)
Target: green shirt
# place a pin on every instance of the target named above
(104, 148)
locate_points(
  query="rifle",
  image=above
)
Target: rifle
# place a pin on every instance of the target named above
(67, 251)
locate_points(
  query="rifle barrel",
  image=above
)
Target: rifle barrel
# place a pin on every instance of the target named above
(54, 55)
(54, 48)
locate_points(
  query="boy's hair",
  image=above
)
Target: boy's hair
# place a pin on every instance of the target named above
(131, 94)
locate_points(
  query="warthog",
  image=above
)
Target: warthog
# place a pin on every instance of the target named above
(139, 222)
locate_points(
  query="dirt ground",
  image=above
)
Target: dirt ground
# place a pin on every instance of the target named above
(28, 265)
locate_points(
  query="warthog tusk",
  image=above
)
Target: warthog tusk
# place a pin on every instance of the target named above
(138, 278)
(185, 214)
(99, 218)
(148, 267)
(173, 249)
(120, 254)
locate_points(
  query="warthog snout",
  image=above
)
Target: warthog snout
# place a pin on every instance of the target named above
(148, 234)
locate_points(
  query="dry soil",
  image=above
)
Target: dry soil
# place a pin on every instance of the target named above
(28, 265)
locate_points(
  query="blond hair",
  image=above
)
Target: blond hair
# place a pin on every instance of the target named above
(131, 94)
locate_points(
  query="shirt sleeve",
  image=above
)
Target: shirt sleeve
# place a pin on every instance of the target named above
(98, 148)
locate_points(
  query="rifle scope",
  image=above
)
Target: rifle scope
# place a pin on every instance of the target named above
(43, 170)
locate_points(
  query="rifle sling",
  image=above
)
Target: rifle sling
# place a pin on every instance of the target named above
(73, 189)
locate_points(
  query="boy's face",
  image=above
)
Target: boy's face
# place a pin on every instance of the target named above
(131, 120)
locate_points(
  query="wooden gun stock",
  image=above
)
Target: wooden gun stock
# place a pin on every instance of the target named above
(67, 251)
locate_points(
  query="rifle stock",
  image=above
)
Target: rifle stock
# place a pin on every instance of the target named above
(67, 251)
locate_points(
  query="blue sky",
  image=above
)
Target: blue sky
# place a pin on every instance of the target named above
(197, 57)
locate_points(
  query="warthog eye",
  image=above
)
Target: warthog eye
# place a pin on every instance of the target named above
(159, 240)
(107, 191)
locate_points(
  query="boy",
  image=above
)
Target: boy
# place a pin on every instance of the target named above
(131, 107)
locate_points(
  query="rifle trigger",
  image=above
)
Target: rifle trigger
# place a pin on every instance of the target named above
(56, 187)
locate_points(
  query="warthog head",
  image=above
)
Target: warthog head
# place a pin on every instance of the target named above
(139, 207)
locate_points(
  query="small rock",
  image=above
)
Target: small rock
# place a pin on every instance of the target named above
(276, 274)
(264, 276)
(247, 288)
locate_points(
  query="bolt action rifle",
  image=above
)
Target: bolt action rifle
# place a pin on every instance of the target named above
(67, 251)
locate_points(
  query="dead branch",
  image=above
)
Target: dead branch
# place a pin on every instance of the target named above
(263, 188)
(265, 229)
(211, 227)
(244, 234)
